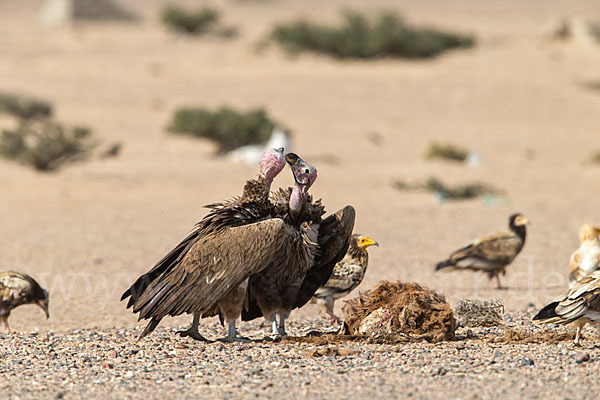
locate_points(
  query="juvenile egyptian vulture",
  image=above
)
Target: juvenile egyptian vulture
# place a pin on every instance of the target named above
(347, 275)
(580, 306)
(490, 254)
(586, 259)
(17, 289)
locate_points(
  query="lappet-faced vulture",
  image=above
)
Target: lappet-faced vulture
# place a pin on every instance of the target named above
(216, 253)
(309, 260)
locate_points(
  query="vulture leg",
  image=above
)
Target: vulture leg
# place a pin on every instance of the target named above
(232, 335)
(192, 331)
(6, 327)
(577, 341)
(275, 331)
(330, 312)
(498, 284)
(281, 328)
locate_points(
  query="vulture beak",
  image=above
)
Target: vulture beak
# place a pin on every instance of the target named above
(44, 306)
(304, 173)
(366, 242)
(291, 158)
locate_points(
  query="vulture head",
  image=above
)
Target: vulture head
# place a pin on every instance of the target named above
(304, 176)
(517, 220)
(588, 232)
(40, 297)
(363, 242)
(304, 173)
(271, 163)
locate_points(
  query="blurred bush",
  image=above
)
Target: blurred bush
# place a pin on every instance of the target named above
(45, 144)
(22, 106)
(448, 192)
(230, 129)
(192, 22)
(446, 151)
(387, 35)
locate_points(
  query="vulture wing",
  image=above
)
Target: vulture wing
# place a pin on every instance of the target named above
(335, 233)
(14, 288)
(223, 215)
(212, 266)
(501, 248)
(582, 301)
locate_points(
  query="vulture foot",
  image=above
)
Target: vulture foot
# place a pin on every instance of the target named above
(239, 339)
(192, 333)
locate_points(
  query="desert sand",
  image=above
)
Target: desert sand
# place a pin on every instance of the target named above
(87, 231)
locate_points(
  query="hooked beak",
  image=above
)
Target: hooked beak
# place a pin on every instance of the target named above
(369, 242)
(44, 306)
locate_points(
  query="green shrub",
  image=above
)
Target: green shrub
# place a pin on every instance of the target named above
(45, 145)
(458, 192)
(192, 22)
(595, 158)
(447, 192)
(387, 35)
(24, 107)
(228, 128)
(446, 152)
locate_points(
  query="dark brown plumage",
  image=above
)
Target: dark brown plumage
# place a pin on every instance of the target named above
(347, 274)
(283, 287)
(490, 254)
(170, 287)
(17, 289)
(580, 306)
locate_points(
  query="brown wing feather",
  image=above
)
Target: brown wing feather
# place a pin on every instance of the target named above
(347, 275)
(582, 301)
(211, 268)
(335, 233)
(501, 248)
(16, 289)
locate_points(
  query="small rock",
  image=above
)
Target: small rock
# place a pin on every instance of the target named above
(527, 362)
(584, 358)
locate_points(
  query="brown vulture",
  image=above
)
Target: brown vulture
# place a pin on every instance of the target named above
(586, 259)
(580, 306)
(17, 289)
(347, 274)
(290, 283)
(490, 254)
(154, 292)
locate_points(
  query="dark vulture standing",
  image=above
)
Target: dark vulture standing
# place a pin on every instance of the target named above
(490, 254)
(580, 306)
(347, 274)
(319, 244)
(17, 289)
(209, 252)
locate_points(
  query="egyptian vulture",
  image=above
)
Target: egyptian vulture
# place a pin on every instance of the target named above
(347, 274)
(580, 306)
(17, 289)
(586, 259)
(490, 254)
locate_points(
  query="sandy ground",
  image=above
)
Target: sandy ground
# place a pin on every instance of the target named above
(88, 231)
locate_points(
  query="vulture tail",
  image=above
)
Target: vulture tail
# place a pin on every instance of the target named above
(547, 312)
(150, 327)
(443, 264)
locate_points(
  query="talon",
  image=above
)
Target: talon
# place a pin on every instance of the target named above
(194, 334)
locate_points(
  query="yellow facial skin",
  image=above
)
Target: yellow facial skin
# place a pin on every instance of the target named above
(365, 242)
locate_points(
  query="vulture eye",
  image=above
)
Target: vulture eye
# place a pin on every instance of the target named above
(306, 171)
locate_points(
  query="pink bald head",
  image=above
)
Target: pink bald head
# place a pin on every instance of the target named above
(271, 164)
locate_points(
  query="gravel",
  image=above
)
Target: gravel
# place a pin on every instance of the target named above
(112, 363)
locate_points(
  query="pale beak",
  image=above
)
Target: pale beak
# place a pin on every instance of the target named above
(44, 307)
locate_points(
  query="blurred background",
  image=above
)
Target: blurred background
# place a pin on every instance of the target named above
(435, 119)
